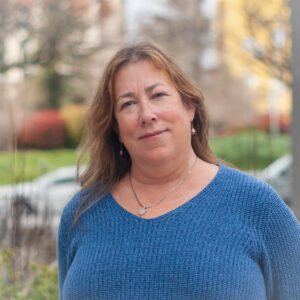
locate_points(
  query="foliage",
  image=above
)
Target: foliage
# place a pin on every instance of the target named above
(40, 282)
(252, 149)
(44, 286)
(44, 129)
(263, 123)
(53, 84)
(74, 117)
(11, 282)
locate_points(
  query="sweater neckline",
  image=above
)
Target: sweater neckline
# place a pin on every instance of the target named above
(206, 191)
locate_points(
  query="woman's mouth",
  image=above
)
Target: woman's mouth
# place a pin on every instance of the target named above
(152, 134)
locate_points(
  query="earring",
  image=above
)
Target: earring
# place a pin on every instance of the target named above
(193, 131)
(121, 150)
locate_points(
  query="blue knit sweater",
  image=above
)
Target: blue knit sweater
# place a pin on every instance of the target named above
(235, 240)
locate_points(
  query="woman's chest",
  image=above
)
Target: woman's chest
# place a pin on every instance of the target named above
(170, 262)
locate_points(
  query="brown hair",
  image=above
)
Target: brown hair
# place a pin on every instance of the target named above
(106, 166)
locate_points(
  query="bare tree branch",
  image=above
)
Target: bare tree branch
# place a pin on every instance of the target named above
(269, 39)
(49, 33)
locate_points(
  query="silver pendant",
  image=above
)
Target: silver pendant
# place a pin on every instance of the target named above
(142, 211)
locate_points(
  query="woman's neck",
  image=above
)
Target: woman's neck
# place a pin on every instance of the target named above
(162, 173)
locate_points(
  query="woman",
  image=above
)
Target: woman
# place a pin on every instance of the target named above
(157, 218)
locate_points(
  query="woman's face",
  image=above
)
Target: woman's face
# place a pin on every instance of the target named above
(153, 123)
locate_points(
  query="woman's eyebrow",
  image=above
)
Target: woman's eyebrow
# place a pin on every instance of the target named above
(131, 94)
(151, 87)
(125, 95)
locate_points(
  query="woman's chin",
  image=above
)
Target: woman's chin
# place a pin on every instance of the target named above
(158, 156)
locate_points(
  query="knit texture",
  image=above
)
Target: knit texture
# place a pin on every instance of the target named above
(236, 239)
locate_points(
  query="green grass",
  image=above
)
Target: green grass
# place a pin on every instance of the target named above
(248, 151)
(27, 165)
(251, 150)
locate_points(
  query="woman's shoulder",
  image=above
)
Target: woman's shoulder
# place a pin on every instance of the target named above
(72, 208)
(253, 199)
(246, 192)
(243, 182)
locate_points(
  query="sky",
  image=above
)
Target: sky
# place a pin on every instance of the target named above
(142, 10)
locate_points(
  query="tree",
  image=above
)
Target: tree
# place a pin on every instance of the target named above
(183, 30)
(257, 37)
(268, 39)
(53, 35)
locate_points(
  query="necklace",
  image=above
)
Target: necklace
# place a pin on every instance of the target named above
(144, 208)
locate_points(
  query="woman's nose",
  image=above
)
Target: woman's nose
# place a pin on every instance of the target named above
(147, 112)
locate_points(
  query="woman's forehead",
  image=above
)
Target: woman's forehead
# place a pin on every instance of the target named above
(144, 70)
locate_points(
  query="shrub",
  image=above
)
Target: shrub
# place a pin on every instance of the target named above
(44, 285)
(11, 281)
(39, 282)
(263, 123)
(44, 129)
(252, 149)
(74, 117)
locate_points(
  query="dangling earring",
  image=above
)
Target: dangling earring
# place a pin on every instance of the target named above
(193, 130)
(121, 150)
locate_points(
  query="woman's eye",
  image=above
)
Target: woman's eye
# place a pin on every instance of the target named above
(127, 103)
(157, 95)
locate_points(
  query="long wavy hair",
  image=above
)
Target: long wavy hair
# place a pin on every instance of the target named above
(105, 166)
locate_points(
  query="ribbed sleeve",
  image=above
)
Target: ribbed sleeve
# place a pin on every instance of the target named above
(281, 251)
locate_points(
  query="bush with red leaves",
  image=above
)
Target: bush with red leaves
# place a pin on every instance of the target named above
(263, 123)
(44, 129)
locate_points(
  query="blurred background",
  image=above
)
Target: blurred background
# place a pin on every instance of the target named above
(52, 53)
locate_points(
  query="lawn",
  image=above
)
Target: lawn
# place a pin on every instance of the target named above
(27, 165)
(251, 150)
(247, 150)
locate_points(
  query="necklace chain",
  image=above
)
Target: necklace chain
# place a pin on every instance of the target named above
(144, 208)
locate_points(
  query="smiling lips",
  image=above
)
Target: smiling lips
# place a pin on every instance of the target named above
(152, 134)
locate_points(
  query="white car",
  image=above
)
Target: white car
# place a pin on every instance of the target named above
(279, 175)
(44, 197)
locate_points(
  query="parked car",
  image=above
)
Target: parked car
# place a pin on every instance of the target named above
(44, 196)
(279, 175)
